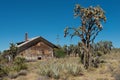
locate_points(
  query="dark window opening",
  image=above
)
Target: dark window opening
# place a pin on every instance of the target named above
(39, 58)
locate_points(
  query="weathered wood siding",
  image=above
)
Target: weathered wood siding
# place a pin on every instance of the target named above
(38, 50)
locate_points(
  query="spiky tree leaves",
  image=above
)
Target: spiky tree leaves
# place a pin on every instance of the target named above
(13, 50)
(90, 19)
(104, 46)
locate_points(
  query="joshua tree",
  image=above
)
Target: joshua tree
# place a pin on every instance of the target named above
(65, 49)
(90, 19)
(104, 46)
(13, 50)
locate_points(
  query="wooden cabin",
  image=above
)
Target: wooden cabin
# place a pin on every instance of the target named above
(36, 48)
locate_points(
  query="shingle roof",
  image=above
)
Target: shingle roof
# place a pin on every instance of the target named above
(33, 41)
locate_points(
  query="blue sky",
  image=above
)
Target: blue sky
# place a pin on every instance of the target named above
(47, 18)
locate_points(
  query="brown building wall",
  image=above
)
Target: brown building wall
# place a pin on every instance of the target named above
(38, 50)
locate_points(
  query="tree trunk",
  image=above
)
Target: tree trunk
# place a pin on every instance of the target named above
(87, 56)
(84, 61)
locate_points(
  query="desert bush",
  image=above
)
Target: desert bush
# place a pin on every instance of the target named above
(13, 70)
(58, 68)
(99, 53)
(50, 70)
(3, 70)
(74, 69)
(19, 64)
(55, 70)
(95, 62)
(59, 53)
(17, 68)
(45, 70)
(19, 60)
(3, 60)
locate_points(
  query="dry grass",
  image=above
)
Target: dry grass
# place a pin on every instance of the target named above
(68, 69)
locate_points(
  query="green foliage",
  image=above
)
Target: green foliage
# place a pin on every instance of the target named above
(3, 60)
(13, 50)
(8, 67)
(59, 53)
(19, 64)
(10, 54)
(65, 48)
(72, 49)
(12, 69)
(3, 70)
(99, 53)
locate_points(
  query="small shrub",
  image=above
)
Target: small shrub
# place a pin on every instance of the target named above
(3, 60)
(55, 69)
(95, 62)
(19, 64)
(99, 53)
(50, 70)
(60, 69)
(4, 70)
(59, 53)
(74, 69)
(19, 60)
(44, 70)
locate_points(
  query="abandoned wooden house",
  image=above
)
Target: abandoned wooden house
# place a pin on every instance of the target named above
(36, 48)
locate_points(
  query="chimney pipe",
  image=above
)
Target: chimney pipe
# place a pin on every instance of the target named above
(26, 36)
